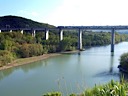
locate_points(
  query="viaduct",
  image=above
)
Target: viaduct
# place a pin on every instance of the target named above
(79, 28)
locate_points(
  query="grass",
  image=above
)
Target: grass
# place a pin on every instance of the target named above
(110, 89)
(113, 88)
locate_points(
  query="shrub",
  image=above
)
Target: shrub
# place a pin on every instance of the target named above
(53, 94)
(110, 89)
(124, 60)
(29, 50)
(6, 57)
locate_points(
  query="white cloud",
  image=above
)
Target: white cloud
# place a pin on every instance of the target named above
(90, 12)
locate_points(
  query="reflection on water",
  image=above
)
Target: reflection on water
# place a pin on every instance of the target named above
(111, 70)
(5, 73)
(111, 62)
(25, 68)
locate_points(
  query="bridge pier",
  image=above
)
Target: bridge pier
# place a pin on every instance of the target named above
(112, 39)
(22, 31)
(46, 34)
(33, 33)
(10, 30)
(80, 39)
(61, 34)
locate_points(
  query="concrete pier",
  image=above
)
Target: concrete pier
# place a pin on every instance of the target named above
(46, 34)
(112, 39)
(61, 34)
(33, 33)
(22, 31)
(10, 30)
(80, 39)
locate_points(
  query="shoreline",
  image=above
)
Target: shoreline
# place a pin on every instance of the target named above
(24, 61)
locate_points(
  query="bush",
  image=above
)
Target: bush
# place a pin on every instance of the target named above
(29, 50)
(53, 94)
(110, 89)
(6, 57)
(124, 60)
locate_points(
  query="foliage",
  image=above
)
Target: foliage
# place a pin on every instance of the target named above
(5, 57)
(124, 60)
(66, 44)
(53, 94)
(20, 22)
(29, 50)
(111, 89)
(24, 45)
(15, 45)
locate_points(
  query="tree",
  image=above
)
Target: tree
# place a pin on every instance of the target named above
(6, 57)
(7, 45)
(65, 44)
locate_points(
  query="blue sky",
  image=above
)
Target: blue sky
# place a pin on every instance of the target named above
(69, 12)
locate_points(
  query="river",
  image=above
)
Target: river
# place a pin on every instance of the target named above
(68, 73)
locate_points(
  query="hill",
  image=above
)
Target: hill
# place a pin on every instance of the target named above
(123, 32)
(20, 22)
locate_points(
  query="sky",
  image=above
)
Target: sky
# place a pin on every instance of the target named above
(69, 12)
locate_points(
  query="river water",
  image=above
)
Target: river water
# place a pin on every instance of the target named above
(67, 73)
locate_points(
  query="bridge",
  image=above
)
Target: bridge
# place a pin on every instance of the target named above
(79, 28)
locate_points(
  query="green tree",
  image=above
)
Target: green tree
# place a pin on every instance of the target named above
(7, 45)
(6, 57)
(65, 45)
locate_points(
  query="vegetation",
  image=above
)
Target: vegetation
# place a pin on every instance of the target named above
(101, 38)
(20, 22)
(124, 60)
(110, 89)
(124, 63)
(53, 94)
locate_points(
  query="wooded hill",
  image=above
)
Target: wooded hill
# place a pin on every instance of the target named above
(20, 22)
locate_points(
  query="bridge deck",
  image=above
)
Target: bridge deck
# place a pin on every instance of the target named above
(73, 27)
(94, 27)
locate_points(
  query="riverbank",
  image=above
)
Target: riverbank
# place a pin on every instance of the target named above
(23, 61)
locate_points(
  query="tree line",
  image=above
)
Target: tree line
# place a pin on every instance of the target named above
(15, 45)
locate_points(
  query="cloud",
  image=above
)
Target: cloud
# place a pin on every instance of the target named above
(90, 12)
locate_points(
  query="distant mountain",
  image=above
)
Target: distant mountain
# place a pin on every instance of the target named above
(20, 22)
(123, 31)
(118, 31)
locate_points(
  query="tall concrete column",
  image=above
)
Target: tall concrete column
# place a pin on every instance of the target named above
(80, 39)
(33, 33)
(10, 30)
(46, 34)
(22, 31)
(61, 34)
(112, 39)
